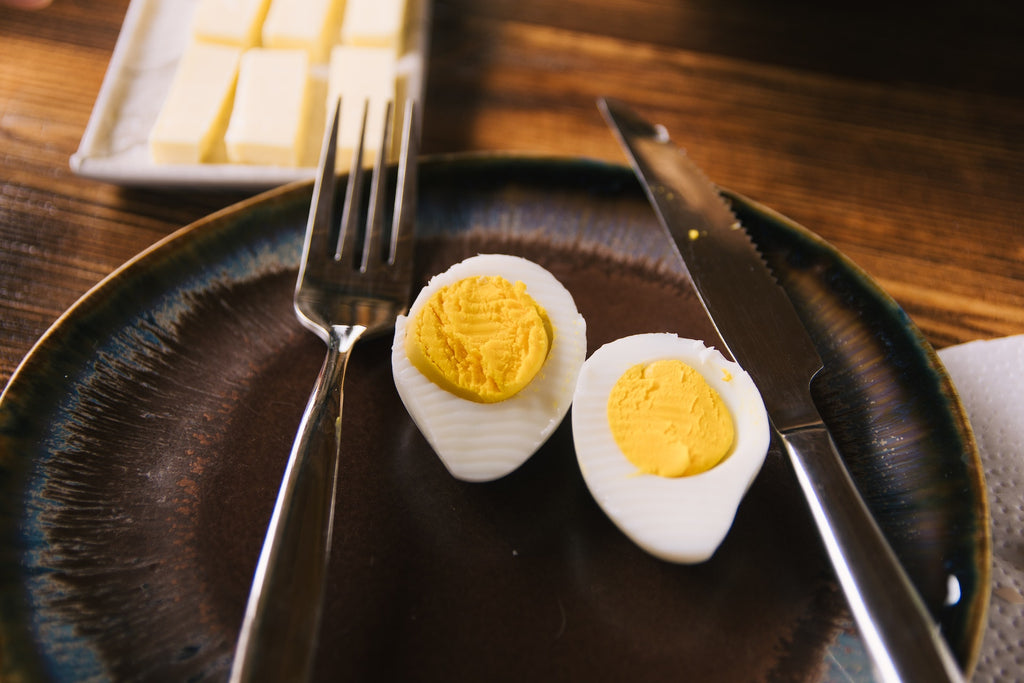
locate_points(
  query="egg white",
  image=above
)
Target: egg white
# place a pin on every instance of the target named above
(682, 519)
(486, 441)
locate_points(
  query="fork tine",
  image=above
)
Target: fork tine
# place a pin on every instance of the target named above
(375, 211)
(404, 218)
(350, 229)
(318, 233)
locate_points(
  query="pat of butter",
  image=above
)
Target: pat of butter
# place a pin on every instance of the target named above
(269, 120)
(230, 22)
(375, 23)
(305, 24)
(193, 117)
(358, 75)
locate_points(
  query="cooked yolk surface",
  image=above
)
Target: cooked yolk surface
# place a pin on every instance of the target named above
(481, 338)
(668, 420)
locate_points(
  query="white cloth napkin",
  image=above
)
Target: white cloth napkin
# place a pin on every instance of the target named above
(989, 376)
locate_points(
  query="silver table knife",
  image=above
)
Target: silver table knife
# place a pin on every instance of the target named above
(761, 330)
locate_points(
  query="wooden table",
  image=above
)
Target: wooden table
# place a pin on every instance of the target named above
(895, 134)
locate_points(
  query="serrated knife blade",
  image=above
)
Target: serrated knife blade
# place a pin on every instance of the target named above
(761, 330)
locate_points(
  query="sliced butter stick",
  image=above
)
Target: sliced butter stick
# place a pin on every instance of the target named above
(373, 23)
(310, 25)
(269, 120)
(358, 74)
(230, 22)
(192, 119)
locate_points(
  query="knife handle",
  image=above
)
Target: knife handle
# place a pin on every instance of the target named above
(902, 639)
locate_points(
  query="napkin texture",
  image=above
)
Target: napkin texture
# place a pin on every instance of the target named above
(989, 376)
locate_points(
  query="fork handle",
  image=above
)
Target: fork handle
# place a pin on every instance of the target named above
(282, 617)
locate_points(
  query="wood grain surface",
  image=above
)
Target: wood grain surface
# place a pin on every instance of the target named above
(895, 134)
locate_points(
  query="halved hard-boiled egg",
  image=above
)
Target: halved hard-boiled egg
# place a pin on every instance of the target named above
(486, 362)
(669, 435)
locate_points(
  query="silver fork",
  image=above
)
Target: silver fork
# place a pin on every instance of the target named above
(351, 283)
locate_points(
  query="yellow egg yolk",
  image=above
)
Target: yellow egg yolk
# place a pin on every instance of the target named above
(668, 420)
(481, 338)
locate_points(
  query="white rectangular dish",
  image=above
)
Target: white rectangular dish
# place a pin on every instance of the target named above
(114, 147)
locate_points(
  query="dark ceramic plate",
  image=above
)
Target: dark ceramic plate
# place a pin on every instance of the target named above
(142, 441)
